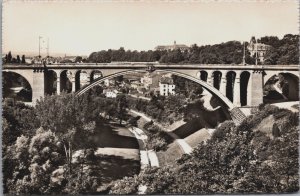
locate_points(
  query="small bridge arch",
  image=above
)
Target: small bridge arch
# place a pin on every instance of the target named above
(27, 74)
(19, 78)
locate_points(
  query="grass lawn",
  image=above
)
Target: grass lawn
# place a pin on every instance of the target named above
(116, 152)
(111, 167)
(172, 153)
(108, 134)
(266, 125)
(194, 139)
(125, 153)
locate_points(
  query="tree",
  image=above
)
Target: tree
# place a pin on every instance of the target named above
(18, 59)
(65, 115)
(122, 105)
(271, 57)
(23, 59)
(9, 57)
(78, 59)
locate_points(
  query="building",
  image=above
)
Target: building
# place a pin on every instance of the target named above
(141, 90)
(175, 46)
(166, 86)
(111, 93)
(107, 82)
(135, 84)
(150, 80)
(259, 47)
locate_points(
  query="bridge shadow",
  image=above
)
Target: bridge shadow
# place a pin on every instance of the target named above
(207, 119)
(110, 167)
(108, 135)
(107, 168)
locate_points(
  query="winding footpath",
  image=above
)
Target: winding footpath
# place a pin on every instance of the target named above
(185, 147)
(148, 157)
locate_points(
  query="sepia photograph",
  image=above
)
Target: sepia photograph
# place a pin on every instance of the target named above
(150, 97)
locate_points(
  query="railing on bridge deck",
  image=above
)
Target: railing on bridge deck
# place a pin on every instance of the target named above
(156, 64)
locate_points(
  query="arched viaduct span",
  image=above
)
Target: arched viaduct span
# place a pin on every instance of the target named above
(236, 85)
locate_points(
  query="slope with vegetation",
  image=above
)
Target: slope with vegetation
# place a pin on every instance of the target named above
(237, 159)
(284, 51)
(39, 145)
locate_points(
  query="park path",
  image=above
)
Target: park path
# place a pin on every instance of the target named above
(139, 97)
(185, 147)
(287, 105)
(148, 157)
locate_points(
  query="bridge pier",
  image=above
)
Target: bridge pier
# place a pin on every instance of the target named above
(38, 87)
(58, 85)
(73, 84)
(210, 79)
(223, 84)
(256, 88)
(237, 90)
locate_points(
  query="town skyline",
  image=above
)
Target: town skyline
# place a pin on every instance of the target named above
(80, 29)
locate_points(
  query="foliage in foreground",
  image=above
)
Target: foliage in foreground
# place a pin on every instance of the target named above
(235, 160)
(38, 143)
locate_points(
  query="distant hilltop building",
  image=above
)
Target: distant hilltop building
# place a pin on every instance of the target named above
(175, 46)
(259, 47)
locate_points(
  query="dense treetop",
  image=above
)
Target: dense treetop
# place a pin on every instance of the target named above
(237, 159)
(283, 51)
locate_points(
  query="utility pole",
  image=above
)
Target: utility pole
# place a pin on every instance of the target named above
(40, 46)
(48, 48)
(244, 60)
(256, 52)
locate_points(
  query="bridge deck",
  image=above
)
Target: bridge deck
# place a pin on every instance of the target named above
(160, 66)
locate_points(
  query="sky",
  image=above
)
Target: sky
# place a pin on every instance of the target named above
(79, 28)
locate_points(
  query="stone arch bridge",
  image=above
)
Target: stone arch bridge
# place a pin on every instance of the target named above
(236, 85)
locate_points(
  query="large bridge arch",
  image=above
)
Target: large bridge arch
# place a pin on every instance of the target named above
(204, 84)
(236, 114)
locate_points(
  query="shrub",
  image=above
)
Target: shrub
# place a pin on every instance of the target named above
(127, 185)
(156, 143)
(221, 132)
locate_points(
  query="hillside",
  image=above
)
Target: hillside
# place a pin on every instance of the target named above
(283, 51)
(249, 158)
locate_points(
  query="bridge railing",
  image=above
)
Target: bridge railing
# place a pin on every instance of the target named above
(156, 64)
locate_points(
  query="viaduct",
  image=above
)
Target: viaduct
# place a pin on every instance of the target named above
(237, 86)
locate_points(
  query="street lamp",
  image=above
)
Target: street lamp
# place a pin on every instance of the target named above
(40, 37)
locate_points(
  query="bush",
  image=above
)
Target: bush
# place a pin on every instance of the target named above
(156, 143)
(221, 132)
(127, 185)
(90, 154)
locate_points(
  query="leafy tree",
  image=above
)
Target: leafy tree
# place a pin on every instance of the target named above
(236, 160)
(18, 59)
(271, 57)
(23, 59)
(78, 59)
(9, 57)
(122, 105)
(66, 115)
